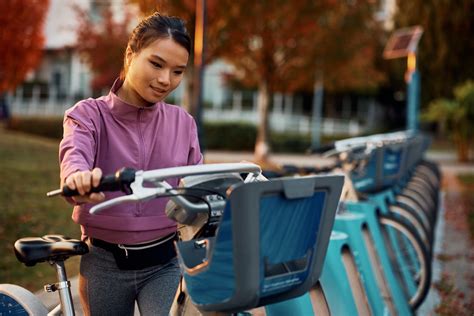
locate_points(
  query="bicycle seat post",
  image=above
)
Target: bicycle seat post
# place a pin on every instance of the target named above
(64, 288)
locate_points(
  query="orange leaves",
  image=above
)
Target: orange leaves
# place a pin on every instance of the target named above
(21, 35)
(103, 45)
(285, 42)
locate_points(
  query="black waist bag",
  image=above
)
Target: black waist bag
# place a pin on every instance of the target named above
(137, 257)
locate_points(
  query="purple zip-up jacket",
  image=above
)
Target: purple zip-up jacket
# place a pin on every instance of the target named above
(110, 134)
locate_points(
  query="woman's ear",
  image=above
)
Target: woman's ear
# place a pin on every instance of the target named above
(128, 56)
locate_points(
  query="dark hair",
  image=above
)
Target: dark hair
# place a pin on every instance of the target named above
(153, 27)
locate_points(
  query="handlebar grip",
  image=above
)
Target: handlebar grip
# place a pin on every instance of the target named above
(120, 181)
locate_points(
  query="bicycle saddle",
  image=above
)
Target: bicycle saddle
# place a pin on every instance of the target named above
(31, 250)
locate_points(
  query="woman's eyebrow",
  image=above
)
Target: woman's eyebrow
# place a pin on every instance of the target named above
(159, 58)
(164, 61)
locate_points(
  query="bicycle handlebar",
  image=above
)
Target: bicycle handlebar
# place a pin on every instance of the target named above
(160, 174)
(119, 181)
(131, 182)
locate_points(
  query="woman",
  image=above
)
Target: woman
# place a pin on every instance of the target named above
(132, 257)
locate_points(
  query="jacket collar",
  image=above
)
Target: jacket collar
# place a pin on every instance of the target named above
(125, 110)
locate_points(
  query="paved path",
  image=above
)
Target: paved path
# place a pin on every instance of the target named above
(448, 165)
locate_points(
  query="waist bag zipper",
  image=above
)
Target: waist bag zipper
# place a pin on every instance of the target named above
(124, 248)
(121, 246)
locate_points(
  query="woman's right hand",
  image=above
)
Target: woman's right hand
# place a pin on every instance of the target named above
(83, 181)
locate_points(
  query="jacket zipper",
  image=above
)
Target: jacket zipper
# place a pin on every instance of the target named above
(141, 150)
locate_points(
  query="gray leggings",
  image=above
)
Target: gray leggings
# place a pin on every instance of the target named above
(106, 290)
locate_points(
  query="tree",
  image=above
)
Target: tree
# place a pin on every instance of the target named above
(457, 117)
(349, 46)
(286, 46)
(445, 49)
(22, 38)
(103, 45)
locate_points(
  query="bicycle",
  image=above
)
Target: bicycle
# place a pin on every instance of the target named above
(406, 232)
(206, 195)
(407, 225)
(54, 249)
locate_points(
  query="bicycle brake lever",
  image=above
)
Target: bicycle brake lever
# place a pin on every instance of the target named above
(109, 203)
(139, 193)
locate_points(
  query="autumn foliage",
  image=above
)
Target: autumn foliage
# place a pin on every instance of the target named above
(21, 35)
(286, 42)
(103, 45)
(286, 46)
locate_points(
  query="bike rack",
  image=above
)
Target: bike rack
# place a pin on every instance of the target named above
(369, 210)
(354, 225)
(334, 279)
(370, 286)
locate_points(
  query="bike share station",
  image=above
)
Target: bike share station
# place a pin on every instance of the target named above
(356, 240)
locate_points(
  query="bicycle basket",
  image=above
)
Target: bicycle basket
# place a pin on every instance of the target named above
(269, 247)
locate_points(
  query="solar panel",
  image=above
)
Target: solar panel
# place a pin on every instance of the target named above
(403, 42)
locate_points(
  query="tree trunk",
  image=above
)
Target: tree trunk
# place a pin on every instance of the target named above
(462, 151)
(317, 113)
(262, 149)
(188, 91)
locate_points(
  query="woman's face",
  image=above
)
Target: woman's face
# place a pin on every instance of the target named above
(154, 72)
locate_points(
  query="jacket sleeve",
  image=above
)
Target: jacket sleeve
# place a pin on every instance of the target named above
(194, 157)
(77, 148)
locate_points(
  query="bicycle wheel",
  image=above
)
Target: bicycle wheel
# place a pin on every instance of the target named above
(430, 171)
(410, 260)
(411, 200)
(419, 197)
(432, 175)
(421, 181)
(15, 300)
(428, 197)
(410, 215)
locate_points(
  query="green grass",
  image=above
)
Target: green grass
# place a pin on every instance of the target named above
(466, 179)
(30, 169)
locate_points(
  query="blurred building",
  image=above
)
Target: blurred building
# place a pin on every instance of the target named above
(62, 69)
(63, 76)
(62, 73)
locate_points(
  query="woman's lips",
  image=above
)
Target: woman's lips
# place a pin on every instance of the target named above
(158, 90)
